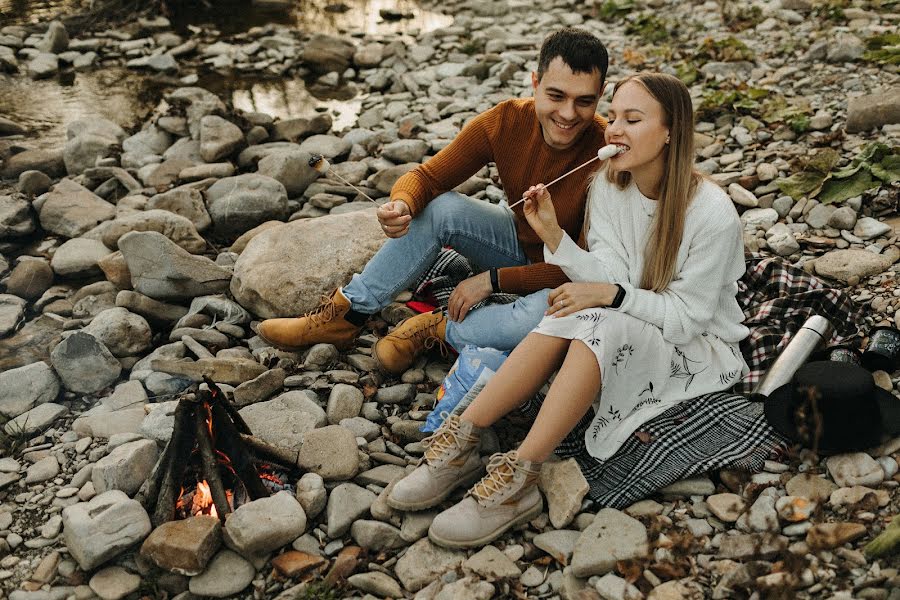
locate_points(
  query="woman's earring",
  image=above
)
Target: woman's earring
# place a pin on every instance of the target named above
(667, 139)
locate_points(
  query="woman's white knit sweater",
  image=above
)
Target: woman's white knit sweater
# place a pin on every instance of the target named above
(701, 297)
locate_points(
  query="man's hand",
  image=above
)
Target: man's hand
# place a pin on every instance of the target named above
(467, 294)
(394, 218)
(571, 297)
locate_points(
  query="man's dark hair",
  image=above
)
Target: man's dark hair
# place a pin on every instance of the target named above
(579, 49)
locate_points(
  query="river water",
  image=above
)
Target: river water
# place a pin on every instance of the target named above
(127, 96)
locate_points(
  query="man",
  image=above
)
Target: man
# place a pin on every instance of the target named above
(532, 140)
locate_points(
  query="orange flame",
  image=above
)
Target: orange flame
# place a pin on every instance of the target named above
(203, 499)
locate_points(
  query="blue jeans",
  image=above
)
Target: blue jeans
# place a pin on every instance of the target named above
(482, 232)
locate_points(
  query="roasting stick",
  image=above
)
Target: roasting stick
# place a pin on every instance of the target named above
(602, 154)
(321, 164)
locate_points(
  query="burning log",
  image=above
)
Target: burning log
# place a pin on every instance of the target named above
(211, 443)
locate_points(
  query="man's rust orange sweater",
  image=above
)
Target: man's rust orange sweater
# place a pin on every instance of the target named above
(510, 136)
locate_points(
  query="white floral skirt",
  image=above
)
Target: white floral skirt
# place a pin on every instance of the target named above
(642, 374)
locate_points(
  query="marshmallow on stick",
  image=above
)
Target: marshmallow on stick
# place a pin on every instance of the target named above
(321, 164)
(603, 153)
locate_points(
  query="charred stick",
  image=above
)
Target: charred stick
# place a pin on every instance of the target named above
(229, 441)
(149, 492)
(172, 478)
(271, 452)
(209, 465)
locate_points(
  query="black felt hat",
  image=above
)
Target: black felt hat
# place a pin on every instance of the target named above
(833, 407)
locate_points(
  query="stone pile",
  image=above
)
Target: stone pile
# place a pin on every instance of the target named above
(135, 263)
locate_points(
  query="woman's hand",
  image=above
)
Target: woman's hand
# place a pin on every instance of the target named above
(571, 297)
(541, 215)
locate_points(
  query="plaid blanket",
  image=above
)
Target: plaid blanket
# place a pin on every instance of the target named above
(714, 431)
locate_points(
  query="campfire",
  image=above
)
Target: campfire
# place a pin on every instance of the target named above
(212, 463)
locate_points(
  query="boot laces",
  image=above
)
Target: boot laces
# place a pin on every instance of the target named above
(324, 312)
(447, 438)
(501, 471)
(428, 337)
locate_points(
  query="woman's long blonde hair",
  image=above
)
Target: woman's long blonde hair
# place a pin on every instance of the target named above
(679, 180)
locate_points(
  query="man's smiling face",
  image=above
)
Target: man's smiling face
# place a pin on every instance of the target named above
(565, 102)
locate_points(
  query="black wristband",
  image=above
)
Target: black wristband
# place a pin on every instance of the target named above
(495, 280)
(619, 297)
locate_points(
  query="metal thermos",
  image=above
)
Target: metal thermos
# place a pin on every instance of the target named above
(815, 332)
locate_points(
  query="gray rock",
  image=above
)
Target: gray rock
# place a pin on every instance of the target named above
(218, 138)
(611, 537)
(177, 228)
(84, 364)
(874, 110)
(818, 217)
(856, 468)
(347, 503)
(15, 217)
(126, 467)
(264, 525)
(30, 278)
(329, 146)
(385, 179)
(237, 204)
(55, 40)
(186, 202)
(163, 270)
(402, 393)
(285, 420)
(491, 563)
(114, 583)
(868, 228)
(377, 583)
(565, 487)
(158, 423)
(101, 529)
(49, 162)
(43, 66)
(8, 62)
(152, 310)
(300, 127)
(311, 494)
(324, 53)
(33, 183)
(12, 312)
(79, 257)
(843, 218)
(43, 470)
(164, 63)
(845, 47)
(24, 388)
(279, 272)
(291, 168)
(759, 218)
(145, 146)
(559, 544)
(376, 536)
(344, 402)
(845, 264)
(781, 241)
(762, 515)
(331, 452)
(405, 151)
(361, 427)
(424, 562)
(122, 332)
(37, 419)
(71, 210)
(225, 575)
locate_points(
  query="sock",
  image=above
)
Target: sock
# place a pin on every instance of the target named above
(357, 318)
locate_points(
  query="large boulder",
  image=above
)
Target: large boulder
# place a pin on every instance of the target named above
(285, 270)
(49, 162)
(239, 203)
(164, 271)
(71, 210)
(291, 168)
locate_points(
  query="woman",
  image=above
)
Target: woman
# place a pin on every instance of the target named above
(650, 317)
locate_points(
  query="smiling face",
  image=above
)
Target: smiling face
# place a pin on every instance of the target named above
(565, 102)
(637, 123)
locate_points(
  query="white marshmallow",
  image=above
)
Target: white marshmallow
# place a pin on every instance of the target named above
(322, 165)
(608, 151)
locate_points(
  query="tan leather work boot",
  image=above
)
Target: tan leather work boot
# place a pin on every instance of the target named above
(451, 460)
(324, 324)
(505, 497)
(396, 352)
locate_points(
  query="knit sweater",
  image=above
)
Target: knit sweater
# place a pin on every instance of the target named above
(701, 296)
(510, 136)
